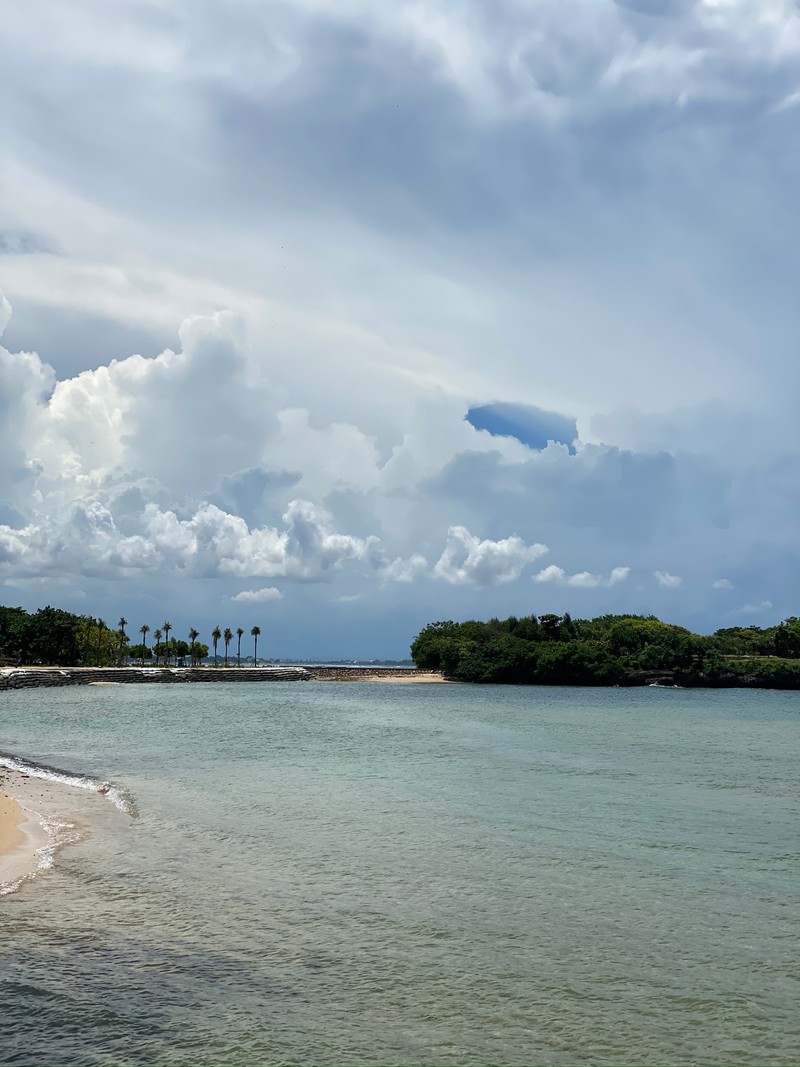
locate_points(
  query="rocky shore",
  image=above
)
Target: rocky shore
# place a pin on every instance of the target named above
(38, 677)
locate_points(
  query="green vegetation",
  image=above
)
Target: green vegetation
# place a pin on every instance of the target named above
(52, 637)
(610, 650)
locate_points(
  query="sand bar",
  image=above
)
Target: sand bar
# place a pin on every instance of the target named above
(409, 678)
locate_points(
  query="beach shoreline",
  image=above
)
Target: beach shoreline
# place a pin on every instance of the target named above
(43, 809)
(25, 843)
(38, 804)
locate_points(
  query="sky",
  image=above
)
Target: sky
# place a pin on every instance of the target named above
(339, 319)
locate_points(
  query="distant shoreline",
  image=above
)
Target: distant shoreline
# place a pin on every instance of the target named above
(49, 677)
(17, 678)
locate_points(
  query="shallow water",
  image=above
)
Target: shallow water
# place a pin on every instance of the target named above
(362, 873)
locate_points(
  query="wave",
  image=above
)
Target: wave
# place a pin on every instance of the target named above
(121, 798)
(59, 833)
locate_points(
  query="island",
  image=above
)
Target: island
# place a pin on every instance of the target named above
(621, 650)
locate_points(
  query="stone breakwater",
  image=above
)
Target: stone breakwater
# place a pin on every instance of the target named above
(38, 677)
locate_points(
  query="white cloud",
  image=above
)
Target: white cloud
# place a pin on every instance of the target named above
(755, 609)
(618, 574)
(213, 541)
(560, 577)
(581, 580)
(258, 596)
(467, 559)
(315, 432)
(667, 580)
(722, 583)
(209, 543)
(405, 570)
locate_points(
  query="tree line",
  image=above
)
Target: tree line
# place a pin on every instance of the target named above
(609, 650)
(56, 637)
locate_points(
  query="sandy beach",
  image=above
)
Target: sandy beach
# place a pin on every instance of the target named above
(366, 674)
(11, 837)
(410, 678)
(40, 814)
(24, 841)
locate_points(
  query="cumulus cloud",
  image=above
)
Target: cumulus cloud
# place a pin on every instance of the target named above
(405, 570)
(618, 574)
(414, 271)
(93, 491)
(581, 580)
(667, 580)
(467, 559)
(212, 541)
(25, 385)
(258, 596)
(208, 543)
(722, 583)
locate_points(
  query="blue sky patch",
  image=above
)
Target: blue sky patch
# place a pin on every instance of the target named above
(532, 426)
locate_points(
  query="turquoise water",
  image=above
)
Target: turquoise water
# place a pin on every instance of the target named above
(366, 873)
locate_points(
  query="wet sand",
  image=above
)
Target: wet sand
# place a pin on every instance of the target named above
(39, 816)
(11, 837)
(22, 833)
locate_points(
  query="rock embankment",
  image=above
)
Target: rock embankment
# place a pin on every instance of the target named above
(37, 677)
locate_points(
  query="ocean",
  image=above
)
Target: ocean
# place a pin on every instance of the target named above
(366, 873)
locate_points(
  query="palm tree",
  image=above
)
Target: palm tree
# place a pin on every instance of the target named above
(157, 635)
(193, 635)
(227, 637)
(144, 630)
(166, 627)
(254, 633)
(240, 635)
(123, 622)
(216, 633)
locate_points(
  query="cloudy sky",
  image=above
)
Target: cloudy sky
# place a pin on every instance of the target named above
(341, 318)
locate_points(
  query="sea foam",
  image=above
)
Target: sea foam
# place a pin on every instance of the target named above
(120, 797)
